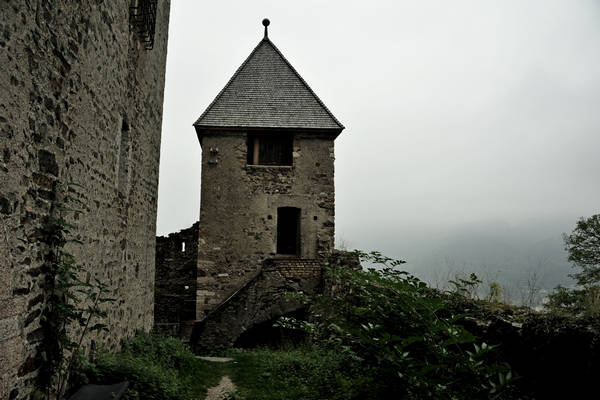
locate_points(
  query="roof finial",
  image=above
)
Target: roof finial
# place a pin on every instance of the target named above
(266, 23)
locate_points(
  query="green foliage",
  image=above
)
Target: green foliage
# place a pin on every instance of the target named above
(583, 247)
(494, 294)
(167, 351)
(467, 287)
(378, 259)
(294, 324)
(304, 373)
(148, 380)
(391, 322)
(157, 368)
(71, 304)
(575, 302)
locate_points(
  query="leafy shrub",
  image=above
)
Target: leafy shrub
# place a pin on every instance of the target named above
(157, 368)
(392, 323)
(167, 351)
(584, 301)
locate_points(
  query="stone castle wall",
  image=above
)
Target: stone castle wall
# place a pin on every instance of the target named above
(238, 211)
(80, 101)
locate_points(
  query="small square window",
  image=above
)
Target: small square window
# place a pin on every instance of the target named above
(270, 149)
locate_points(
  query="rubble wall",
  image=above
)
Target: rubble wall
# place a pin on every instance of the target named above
(175, 288)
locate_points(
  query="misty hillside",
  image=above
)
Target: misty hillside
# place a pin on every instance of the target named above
(510, 254)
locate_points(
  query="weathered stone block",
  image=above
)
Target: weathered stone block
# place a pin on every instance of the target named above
(9, 327)
(48, 162)
(10, 307)
(11, 353)
(6, 383)
(31, 364)
(5, 206)
(207, 281)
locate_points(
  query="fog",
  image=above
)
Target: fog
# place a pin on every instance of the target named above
(472, 127)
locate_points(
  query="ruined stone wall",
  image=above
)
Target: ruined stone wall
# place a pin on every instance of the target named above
(175, 278)
(238, 212)
(80, 101)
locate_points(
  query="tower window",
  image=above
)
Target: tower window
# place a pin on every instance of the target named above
(288, 231)
(270, 149)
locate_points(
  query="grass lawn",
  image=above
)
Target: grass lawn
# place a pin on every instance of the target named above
(165, 369)
(302, 373)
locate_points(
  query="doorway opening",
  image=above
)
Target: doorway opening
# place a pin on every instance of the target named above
(288, 231)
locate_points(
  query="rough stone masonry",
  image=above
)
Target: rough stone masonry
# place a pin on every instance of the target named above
(80, 101)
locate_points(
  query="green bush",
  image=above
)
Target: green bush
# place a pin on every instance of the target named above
(167, 351)
(582, 302)
(392, 323)
(156, 368)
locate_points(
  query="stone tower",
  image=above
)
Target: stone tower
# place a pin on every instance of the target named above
(267, 175)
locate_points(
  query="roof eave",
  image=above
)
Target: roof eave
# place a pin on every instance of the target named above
(205, 130)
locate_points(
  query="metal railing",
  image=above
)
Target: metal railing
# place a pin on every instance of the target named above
(142, 18)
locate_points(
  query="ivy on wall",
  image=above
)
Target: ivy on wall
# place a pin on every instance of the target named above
(73, 307)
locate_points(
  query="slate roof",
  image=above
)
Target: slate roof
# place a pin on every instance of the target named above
(267, 92)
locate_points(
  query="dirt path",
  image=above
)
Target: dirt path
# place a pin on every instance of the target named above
(216, 359)
(220, 391)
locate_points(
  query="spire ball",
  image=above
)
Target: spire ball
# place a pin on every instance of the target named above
(266, 23)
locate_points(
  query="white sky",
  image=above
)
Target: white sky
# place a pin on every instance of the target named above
(457, 113)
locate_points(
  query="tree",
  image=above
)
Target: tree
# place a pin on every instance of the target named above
(583, 246)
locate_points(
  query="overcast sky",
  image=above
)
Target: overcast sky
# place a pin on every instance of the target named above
(457, 113)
